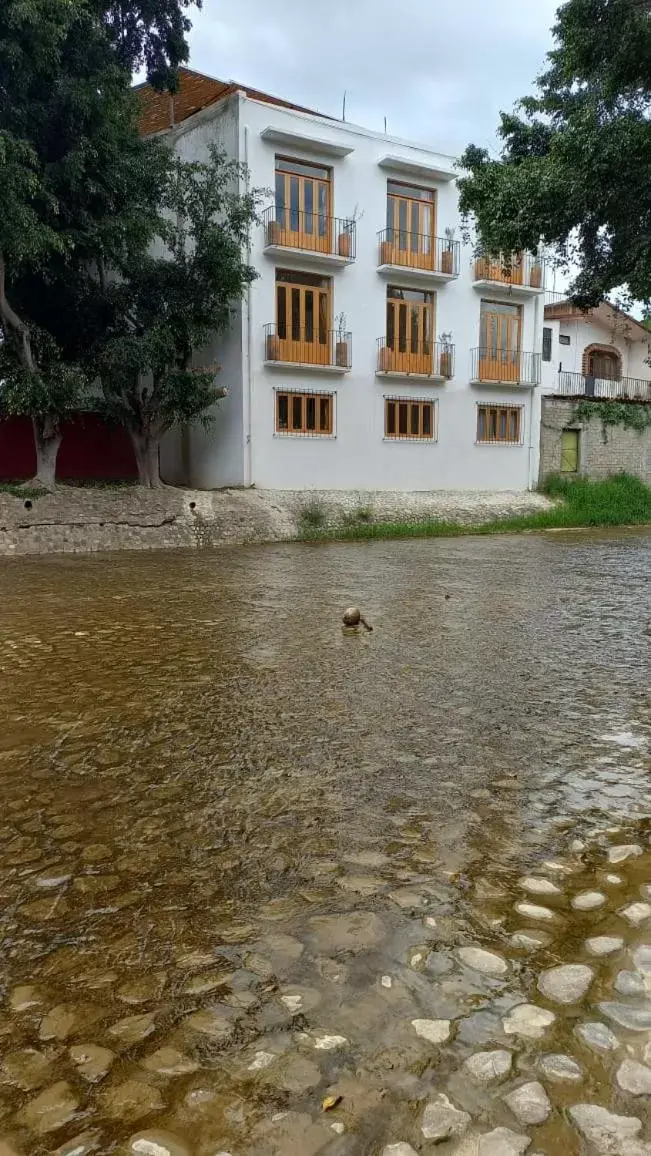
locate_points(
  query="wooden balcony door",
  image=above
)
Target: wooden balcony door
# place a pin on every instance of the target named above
(488, 269)
(410, 225)
(499, 354)
(410, 325)
(303, 197)
(303, 318)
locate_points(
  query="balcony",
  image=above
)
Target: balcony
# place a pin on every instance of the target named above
(418, 257)
(612, 389)
(504, 367)
(309, 239)
(432, 361)
(323, 350)
(521, 275)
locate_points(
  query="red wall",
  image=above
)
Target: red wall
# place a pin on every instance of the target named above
(91, 450)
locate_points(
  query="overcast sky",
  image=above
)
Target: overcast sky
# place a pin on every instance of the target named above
(439, 70)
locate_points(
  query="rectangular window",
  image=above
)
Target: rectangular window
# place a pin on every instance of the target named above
(304, 413)
(500, 328)
(547, 344)
(499, 423)
(564, 339)
(409, 419)
(409, 328)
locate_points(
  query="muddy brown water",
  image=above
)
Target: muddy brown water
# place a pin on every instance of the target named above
(228, 830)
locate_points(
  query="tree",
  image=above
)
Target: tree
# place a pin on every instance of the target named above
(574, 169)
(79, 188)
(170, 303)
(46, 396)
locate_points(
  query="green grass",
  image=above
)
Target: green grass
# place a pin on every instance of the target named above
(618, 501)
(19, 490)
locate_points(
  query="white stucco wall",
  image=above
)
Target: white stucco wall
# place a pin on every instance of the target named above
(583, 332)
(357, 456)
(207, 458)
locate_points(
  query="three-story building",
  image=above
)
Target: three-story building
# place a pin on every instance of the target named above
(374, 351)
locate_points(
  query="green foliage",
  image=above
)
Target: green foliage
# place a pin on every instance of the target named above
(172, 300)
(628, 415)
(312, 516)
(56, 389)
(576, 157)
(79, 189)
(618, 501)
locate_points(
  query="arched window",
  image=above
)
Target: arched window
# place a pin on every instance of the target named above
(603, 362)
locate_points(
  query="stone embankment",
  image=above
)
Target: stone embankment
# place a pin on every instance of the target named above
(128, 518)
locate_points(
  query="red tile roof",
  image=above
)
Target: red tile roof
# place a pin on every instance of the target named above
(160, 110)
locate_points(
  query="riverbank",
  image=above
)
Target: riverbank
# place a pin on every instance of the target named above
(88, 519)
(572, 504)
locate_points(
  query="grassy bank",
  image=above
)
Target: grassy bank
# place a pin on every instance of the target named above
(618, 501)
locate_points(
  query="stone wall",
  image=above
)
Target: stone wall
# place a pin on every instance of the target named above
(129, 518)
(623, 450)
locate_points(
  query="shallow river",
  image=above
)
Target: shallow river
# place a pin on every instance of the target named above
(243, 854)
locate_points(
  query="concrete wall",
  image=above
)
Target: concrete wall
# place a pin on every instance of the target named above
(623, 451)
(243, 447)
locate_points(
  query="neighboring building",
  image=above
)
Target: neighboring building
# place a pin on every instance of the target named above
(602, 354)
(372, 352)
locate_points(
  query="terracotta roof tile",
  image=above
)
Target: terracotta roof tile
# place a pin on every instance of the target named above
(159, 111)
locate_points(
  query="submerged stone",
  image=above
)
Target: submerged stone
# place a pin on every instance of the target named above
(530, 1103)
(634, 1078)
(560, 1067)
(528, 1020)
(597, 1037)
(567, 983)
(529, 940)
(435, 1031)
(487, 1067)
(635, 1019)
(355, 931)
(624, 852)
(605, 1130)
(538, 886)
(156, 1143)
(604, 944)
(636, 913)
(486, 962)
(534, 911)
(51, 1110)
(588, 900)
(441, 1120)
(503, 1142)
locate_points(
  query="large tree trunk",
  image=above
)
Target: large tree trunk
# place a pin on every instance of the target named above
(47, 439)
(146, 448)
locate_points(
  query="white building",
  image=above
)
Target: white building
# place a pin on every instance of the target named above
(603, 353)
(372, 352)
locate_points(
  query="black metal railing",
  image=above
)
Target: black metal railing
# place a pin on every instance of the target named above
(522, 270)
(418, 251)
(314, 232)
(422, 358)
(586, 385)
(504, 366)
(314, 346)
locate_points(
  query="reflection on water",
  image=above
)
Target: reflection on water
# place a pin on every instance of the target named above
(224, 821)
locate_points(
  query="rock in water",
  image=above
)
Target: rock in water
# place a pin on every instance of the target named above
(354, 617)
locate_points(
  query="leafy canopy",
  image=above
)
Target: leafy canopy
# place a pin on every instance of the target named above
(575, 165)
(176, 296)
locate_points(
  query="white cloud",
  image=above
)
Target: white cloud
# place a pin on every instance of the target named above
(439, 70)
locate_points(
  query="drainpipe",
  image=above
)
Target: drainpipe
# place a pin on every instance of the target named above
(248, 392)
(537, 344)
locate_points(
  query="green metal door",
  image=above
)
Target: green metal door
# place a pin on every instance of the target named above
(569, 451)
